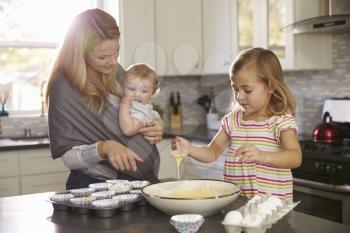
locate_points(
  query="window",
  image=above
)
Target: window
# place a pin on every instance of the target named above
(245, 24)
(30, 35)
(260, 24)
(276, 23)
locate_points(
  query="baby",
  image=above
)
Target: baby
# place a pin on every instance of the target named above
(136, 111)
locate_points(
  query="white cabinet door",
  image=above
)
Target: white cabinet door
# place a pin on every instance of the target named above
(137, 32)
(9, 164)
(167, 168)
(219, 44)
(44, 183)
(9, 186)
(38, 161)
(179, 35)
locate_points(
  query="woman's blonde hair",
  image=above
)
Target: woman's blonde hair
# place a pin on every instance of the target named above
(143, 72)
(269, 70)
(87, 30)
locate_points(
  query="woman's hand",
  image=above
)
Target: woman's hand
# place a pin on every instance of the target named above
(153, 132)
(119, 156)
(248, 153)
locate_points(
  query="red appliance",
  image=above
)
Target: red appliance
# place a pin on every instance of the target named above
(327, 131)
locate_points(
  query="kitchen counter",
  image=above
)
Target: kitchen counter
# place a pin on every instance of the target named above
(25, 143)
(33, 213)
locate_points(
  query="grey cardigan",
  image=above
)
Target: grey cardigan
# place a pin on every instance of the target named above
(72, 124)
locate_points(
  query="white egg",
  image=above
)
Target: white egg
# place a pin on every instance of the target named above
(253, 220)
(233, 217)
(265, 209)
(276, 202)
(256, 199)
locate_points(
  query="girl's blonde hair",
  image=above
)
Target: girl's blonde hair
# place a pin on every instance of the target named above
(88, 29)
(143, 72)
(269, 70)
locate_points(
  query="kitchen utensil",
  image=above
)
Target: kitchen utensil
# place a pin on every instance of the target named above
(327, 131)
(205, 102)
(205, 197)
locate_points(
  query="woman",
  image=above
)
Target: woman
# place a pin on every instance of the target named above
(83, 127)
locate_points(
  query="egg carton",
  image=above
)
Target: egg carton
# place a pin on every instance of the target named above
(101, 199)
(257, 215)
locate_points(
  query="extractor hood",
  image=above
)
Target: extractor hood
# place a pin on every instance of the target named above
(334, 18)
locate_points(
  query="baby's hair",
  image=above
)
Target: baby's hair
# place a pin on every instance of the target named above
(269, 70)
(143, 72)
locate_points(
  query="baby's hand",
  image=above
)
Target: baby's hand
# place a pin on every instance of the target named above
(179, 143)
(126, 100)
(248, 153)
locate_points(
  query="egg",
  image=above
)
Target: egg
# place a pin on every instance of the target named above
(257, 199)
(265, 209)
(233, 217)
(276, 202)
(253, 220)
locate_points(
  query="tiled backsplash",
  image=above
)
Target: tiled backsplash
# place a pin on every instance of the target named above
(20, 127)
(310, 88)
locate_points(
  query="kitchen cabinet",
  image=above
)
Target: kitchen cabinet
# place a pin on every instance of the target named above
(192, 37)
(178, 32)
(166, 34)
(193, 169)
(167, 168)
(137, 28)
(306, 51)
(29, 171)
(300, 51)
(189, 168)
(219, 44)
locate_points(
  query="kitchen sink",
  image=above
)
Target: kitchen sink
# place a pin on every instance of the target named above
(32, 140)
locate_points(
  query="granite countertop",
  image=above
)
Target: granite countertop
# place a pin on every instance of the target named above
(33, 213)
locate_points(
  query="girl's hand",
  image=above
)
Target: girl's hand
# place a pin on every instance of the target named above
(153, 132)
(248, 153)
(179, 143)
(119, 156)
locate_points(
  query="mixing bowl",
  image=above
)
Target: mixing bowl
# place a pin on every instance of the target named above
(205, 197)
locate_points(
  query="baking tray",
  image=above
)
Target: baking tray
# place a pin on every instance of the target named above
(103, 212)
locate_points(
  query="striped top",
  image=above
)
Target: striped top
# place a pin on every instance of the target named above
(255, 178)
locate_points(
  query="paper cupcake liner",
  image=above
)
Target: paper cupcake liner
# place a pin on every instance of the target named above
(138, 184)
(100, 186)
(116, 181)
(82, 201)
(103, 194)
(105, 203)
(82, 192)
(63, 198)
(126, 197)
(189, 223)
(120, 188)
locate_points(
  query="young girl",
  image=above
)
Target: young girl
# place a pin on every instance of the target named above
(260, 130)
(136, 111)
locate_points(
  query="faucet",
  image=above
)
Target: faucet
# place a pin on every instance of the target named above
(43, 83)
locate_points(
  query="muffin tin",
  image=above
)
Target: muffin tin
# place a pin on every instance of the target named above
(101, 199)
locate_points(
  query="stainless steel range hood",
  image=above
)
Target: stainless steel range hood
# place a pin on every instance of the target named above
(334, 18)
